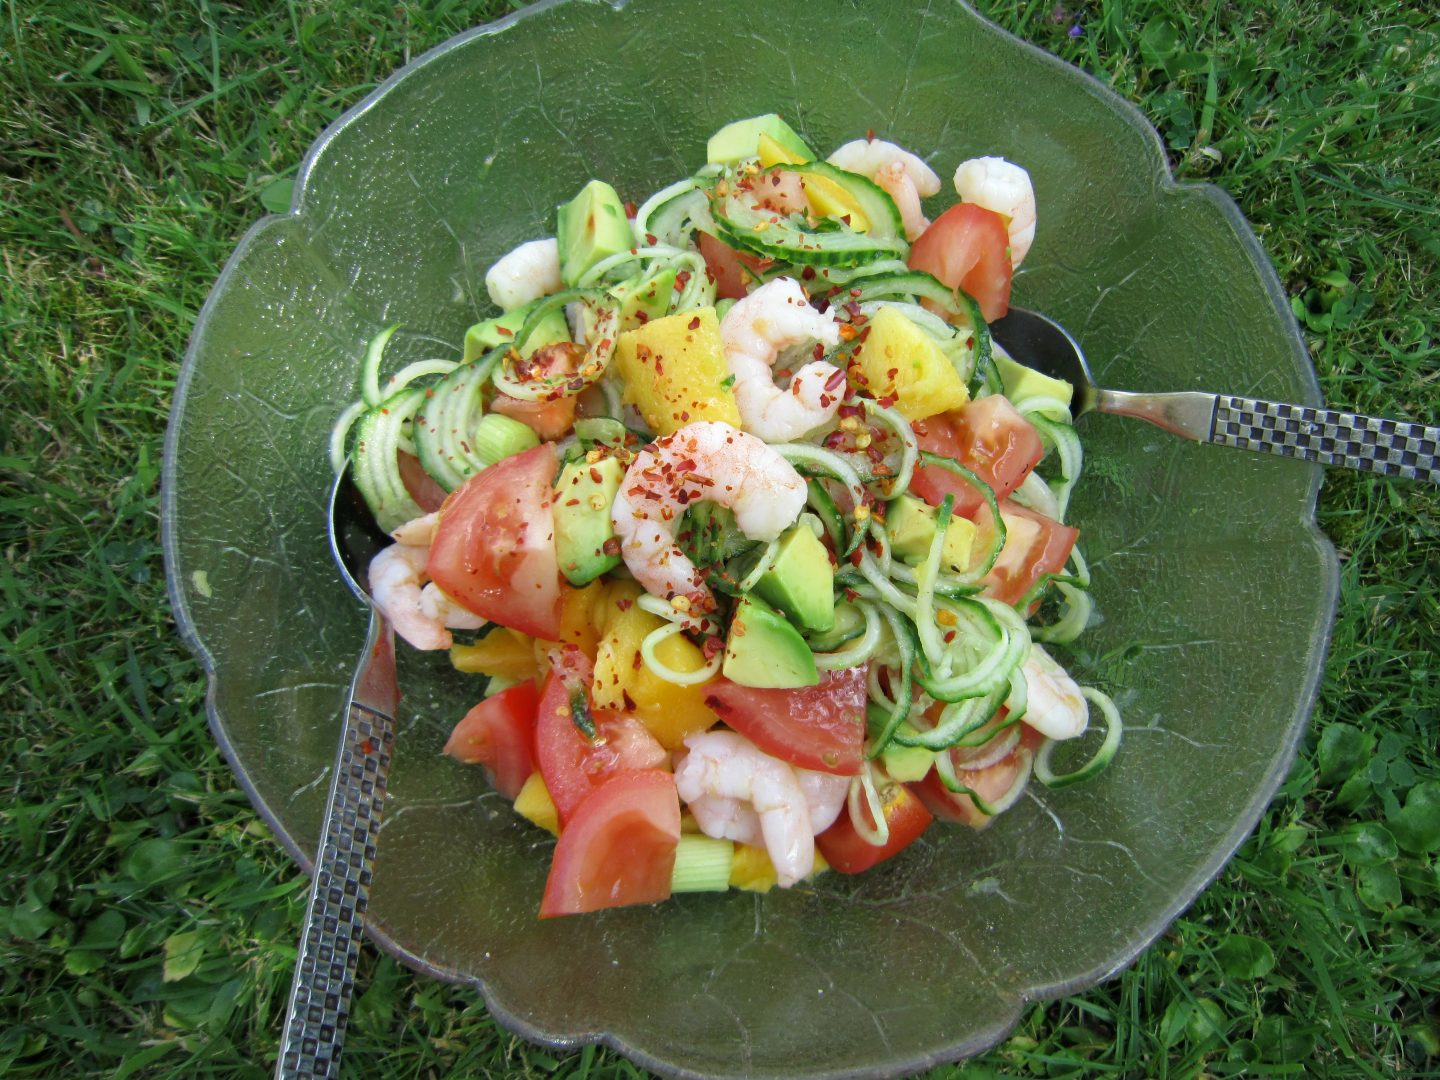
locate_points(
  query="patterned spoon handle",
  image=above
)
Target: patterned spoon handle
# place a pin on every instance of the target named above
(335, 916)
(1367, 443)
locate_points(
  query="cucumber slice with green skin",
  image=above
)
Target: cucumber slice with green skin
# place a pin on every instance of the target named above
(824, 506)
(874, 201)
(916, 285)
(766, 233)
(447, 419)
(376, 461)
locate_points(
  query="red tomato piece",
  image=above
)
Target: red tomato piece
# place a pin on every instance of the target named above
(727, 266)
(499, 734)
(548, 419)
(968, 247)
(494, 549)
(428, 495)
(990, 438)
(618, 849)
(990, 783)
(571, 763)
(1035, 545)
(846, 851)
(819, 727)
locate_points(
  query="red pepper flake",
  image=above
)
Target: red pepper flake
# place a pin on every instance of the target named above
(807, 274)
(611, 547)
(572, 502)
(682, 279)
(628, 701)
(857, 557)
(710, 647)
(624, 603)
(635, 664)
(505, 330)
(651, 239)
(886, 401)
(694, 324)
(847, 332)
(631, 209)
(837, 377)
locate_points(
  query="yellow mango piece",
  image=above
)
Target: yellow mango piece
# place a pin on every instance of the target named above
(753, 871)
(899, 360)
(576, 625)
(675, 372)
(502, 653)
(829, 199)
(772, 153)
(535, 805)
(623, 681)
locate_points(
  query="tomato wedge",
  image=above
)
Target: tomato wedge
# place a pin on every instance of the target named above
(990, 438)
(571, 763)
(990, 783)
(968, 247)
(726, 266)
(494, 549)
(549, 419)
(499, 734)
(819, 727)
(846, 851)
(1035, 545)
(618, 849)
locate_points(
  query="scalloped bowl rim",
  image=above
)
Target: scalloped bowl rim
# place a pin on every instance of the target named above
(980, 1041)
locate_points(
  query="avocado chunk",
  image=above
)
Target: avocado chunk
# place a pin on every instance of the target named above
(641, 301)
(910, 524)
(906, 764)
(501, 330)
(583, 498)
(1023, 382)
(800, 580)
(590, 227)
(740, 139)
(764, 650)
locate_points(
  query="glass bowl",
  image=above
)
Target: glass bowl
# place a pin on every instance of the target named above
(1214, 588)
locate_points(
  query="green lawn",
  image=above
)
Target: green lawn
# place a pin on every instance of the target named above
(148, 919)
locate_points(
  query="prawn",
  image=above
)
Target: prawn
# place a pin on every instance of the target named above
(422, 615)
(526, 273)
(774, 317)
(738, 792)
(1004, 187)
(1054, 704)
(705, 461)
(902, 175)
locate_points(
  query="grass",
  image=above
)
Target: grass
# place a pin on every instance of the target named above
(147, 922)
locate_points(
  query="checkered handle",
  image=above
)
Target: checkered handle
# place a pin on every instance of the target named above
(334, 921)
(1368, 443)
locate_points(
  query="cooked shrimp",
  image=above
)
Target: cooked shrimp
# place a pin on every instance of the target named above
(705, 461)
(527, 273)
(420, 531)
(419, 615)
(1054, 704)
(729, 819)
(774, 317)
(1001, 186)
(904, 177)
(724, 775)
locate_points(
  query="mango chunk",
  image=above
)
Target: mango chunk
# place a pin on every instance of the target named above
(535, 805)
(503, 653)
(753, 871)
(899, 360)
(675, 371)
(623, 681)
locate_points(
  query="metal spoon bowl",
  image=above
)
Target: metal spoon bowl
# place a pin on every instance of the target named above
(323, 986)
(1327, 436)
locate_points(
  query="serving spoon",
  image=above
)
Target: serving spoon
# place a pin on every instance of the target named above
(324, 981)
(1330, 437)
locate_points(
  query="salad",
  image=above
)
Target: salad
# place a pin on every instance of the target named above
(756, 535)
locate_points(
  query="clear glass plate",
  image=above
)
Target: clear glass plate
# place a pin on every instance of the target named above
(1215, 588)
